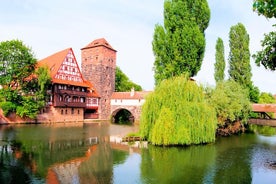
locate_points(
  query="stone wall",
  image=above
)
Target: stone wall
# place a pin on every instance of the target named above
(98, 67)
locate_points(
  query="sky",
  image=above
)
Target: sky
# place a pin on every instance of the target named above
(53, 25)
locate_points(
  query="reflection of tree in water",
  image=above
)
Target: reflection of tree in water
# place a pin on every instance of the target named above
(263, 130)
(13, 170)
(233, 162)
(177, 165)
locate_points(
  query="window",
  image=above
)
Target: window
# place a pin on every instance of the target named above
(61, 112)
(78, 111)
(72, 111)
(66, 111)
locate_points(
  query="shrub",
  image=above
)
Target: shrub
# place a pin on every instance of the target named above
(231, 102)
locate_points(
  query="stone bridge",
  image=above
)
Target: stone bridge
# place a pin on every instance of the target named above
(130, 101)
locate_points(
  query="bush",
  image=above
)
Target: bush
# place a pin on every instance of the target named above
(7, 107)
(231, 103)
(176, 113)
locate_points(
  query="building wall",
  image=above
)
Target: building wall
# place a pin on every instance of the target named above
(99, 66)
(61, 114)
(131, 102)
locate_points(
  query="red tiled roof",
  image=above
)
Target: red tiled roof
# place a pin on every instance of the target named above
(54, 61)
(128, 95)
(99, 42)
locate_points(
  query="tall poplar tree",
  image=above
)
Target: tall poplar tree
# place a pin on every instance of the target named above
(239, 56)
(220, 61)
(179, 45)
(239, 60)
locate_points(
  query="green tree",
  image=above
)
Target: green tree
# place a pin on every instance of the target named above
(17, 62)
(123, 83)
(265, 7)
(267, 56)
(176, 113)
(266, 98)
(239, 56)
(23, 89)
(239, 59)
(179, 46)
(220, 61)
(231, 102)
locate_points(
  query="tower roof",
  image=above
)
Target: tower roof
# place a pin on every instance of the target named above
(97, 43)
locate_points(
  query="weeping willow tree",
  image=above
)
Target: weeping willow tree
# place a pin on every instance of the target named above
(176, 113)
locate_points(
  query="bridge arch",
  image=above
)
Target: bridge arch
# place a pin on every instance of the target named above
(122, 115)
(134, 112)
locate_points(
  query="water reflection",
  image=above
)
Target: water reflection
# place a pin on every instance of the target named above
(93, 154)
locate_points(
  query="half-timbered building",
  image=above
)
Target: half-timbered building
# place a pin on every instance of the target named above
(71, 97)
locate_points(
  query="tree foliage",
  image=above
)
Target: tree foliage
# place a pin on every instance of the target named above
(123, 83)
(239, 56)
(231, 102)
(17, 62)
(220, 61)
(176, 113)
(265, 7)
(267, 56)
(266, 98)
(23, 89)
(239, 60)
(179, 46)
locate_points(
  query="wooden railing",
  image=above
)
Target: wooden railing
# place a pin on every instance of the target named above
(71, 92)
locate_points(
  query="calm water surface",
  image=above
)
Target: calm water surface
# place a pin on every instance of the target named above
(91, 154)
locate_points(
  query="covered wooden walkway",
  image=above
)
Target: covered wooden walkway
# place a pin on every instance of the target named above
(264, 117)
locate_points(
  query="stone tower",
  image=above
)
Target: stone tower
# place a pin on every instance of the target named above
(98, 62)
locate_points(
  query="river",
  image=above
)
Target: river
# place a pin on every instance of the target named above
(91, 153)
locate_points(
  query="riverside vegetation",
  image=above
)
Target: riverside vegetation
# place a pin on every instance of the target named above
(179, 112)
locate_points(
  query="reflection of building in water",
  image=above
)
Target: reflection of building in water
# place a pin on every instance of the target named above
(68, 172)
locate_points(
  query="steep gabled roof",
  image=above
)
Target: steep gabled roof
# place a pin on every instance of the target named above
(54, 61)
(97, 43)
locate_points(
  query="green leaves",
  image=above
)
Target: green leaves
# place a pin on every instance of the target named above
(239, 57)
(179, 45)
(267, 57)
(23, 90)
(265, 7)
(231, 102)
(123, 83)
(176, 113)
(220, 61)
(17, 62)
